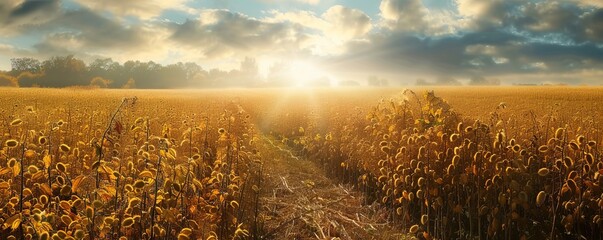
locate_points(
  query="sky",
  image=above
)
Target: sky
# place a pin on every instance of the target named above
(514, 41)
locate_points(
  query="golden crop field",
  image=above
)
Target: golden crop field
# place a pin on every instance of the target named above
(343, 163)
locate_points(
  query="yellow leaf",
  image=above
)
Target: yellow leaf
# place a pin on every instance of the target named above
(45, 189)
(4, 170)
(110, 190)
(145, 174)
(11, 221)
(16, 169)
(75, 184)
(171, 153)
(16, 223)
(47, 160)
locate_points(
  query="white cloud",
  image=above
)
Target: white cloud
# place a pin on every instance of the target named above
(590, 3)
(338, 23)
(404, 15)
(412, 16)
(346, 23)
(144, 9)
(312, 2)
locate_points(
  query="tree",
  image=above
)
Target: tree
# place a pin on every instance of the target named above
(63, 72)
(376, 81)
(8, 80)
(482, 81)
(130, 84)
(100, 82)
(447, 81)
(25, 64)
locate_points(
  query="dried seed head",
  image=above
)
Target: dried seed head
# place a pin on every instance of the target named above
(11, 143)
(540, 198)
(128, 222)
(414, 229)
(559, 133)
(16, 122)
(64, 148)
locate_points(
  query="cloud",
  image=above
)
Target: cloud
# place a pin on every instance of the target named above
(310, 2)
(17, 15)
(93, 30)
(411, 16)
(404, 15)
(346, 23)
(222, 33)
(590, 3)
(144, 9)
(486, 53)
(338, 23)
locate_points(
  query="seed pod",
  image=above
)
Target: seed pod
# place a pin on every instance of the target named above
(414, 229)
(64, 148)
(16, 122)
(399, 211)
(543, 172)
(589, 158)
(139, 184)
(424, 219)
(559, 133)
(421, 181)
(543, 148)
(454, 137)
(66, 219)
(32, 169)
(79, 234)
(128, 222)
(11, 143)
(65, 190)
(183, 237)
(540, 198)
(61, 167)
(572, 185)
(44, 236)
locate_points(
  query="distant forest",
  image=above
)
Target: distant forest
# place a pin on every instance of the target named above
(68, 71)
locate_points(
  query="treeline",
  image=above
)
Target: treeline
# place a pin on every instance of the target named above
(68, 71)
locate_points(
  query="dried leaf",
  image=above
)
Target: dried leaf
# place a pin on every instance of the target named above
(77, 182)
(47, 160)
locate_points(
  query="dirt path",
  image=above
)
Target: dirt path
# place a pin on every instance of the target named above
(300, 202)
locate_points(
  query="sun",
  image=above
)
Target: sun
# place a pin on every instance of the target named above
(307, 74)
